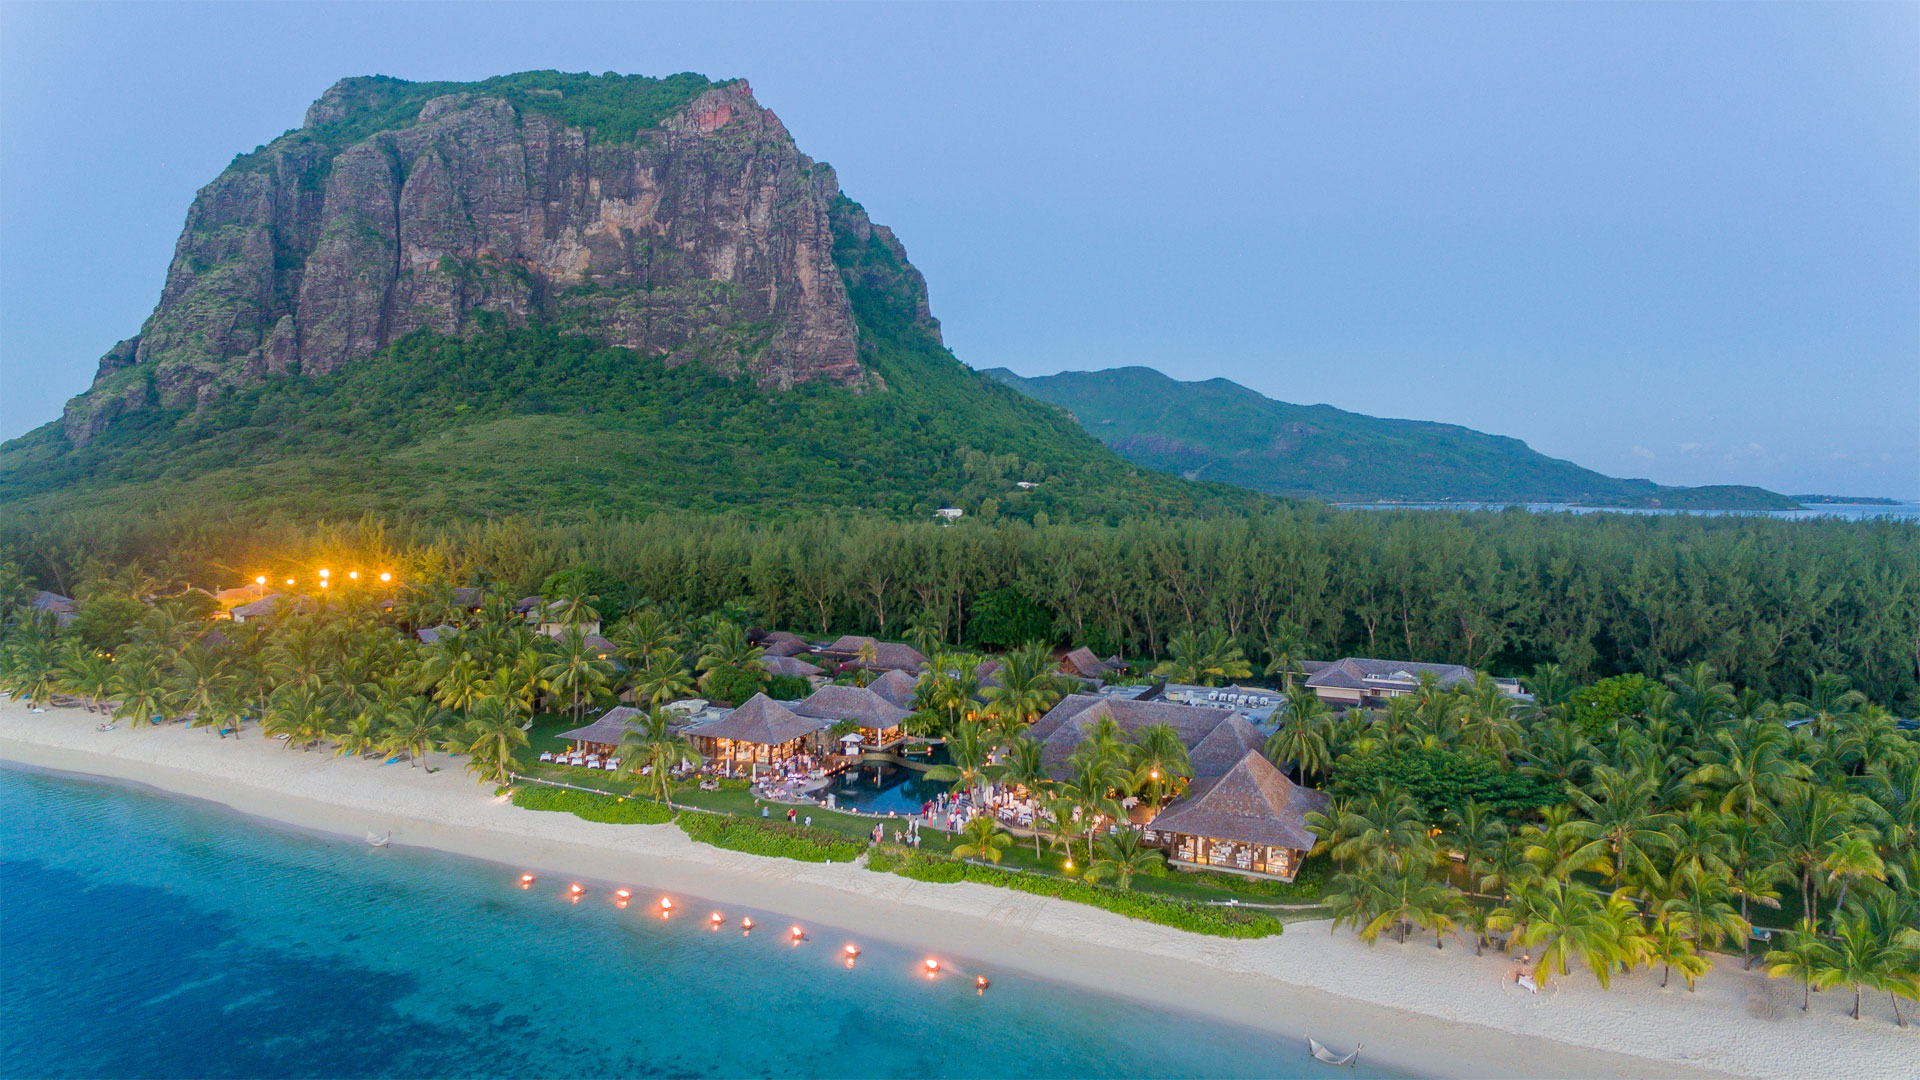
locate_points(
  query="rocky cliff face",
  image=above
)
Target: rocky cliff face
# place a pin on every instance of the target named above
(705, 237)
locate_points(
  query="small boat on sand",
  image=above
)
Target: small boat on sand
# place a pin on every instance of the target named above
(1322, 1054)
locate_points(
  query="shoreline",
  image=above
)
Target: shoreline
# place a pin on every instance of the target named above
(1423, 1013)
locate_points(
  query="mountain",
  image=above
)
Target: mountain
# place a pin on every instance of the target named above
(560, 295)
(1221, 431)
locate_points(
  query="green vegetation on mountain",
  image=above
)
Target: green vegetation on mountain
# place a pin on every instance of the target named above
(531, 422)
(1222, 431)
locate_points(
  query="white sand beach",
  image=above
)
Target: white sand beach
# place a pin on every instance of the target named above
(1428, 1013)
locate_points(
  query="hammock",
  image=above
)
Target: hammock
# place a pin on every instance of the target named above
(1321, 1053)
(378, 839)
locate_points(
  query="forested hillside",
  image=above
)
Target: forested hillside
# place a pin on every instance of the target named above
(1220, 430)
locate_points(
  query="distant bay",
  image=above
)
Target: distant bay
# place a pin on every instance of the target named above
(1902, 511)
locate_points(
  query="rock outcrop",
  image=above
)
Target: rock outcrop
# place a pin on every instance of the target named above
(704, 237)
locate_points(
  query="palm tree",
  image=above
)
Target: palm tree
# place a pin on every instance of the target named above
(1851, 858)
(926, 632)
(1827, 702)
(655, 749)
(202, 686)
(1857, 957)
(1090, 786)
(1704, 914)
(1158, 759)
(985, 839)
(1749, 766)
(1812, 821)
(1801, 955)
(490, 736)
(968, 753)
(1574, 922)
(359, 737)
(138, 685)
(578, 672)
(1287, 644)
(732, 664)
(1300, 740)
(644, 637)
(1203, 660)
(1622, 830)
(85, 671)
(1670, 948)
(415, 727)
(1027, 686)
(32, 668)
(664, 679)
(1024, 766)
(296, 710)
(1122, 855)
(1477, 833)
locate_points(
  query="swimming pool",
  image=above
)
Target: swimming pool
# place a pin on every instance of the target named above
(880, 788)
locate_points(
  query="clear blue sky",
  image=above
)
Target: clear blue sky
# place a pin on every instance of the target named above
(1678, 241)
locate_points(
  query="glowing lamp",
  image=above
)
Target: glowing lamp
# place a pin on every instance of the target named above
(622, 893)
(746, 923)
(323, 573)
(716, 918)
(575, 889)
(289, 581)
(798, 933)
(933, 967)
(851, 951)
(354, 574)
(981, 982)
(1153, 774)
(526, 880)
(324, 583)
(386, 577)
(261, 580)
(666, 904)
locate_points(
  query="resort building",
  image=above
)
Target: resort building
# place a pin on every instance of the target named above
(897, 687)
(1250, 820)
(880, 721)
(63, 608)
(781, 643)
(601, 737)
(260, 608)
(1357, 682)
(761, 734)
(787, 665)
(1082, 662)
(1215, 738)
(432, 634)
(887, 656)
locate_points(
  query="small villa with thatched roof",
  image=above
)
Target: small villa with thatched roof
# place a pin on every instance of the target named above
(880, 655)
(759, 734)
(601, 736)
(1251, 821)
(880, 721)
(787, 665)
(897, 687)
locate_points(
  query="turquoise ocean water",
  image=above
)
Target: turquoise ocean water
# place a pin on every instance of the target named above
(145, 936)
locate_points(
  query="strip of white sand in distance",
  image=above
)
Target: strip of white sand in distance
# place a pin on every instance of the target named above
(1418, 1010)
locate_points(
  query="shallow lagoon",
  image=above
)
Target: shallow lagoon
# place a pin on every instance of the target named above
(149, 936)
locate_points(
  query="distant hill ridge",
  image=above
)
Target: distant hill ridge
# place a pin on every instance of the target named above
(1219, 430)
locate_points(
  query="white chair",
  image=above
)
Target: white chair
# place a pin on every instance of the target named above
(546, 755)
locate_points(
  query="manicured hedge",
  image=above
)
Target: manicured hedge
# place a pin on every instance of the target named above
(1218, 921)
(608, 808)
(774, 838)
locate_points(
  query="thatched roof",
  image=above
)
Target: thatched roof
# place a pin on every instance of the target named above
(761, 720)
(1254, 803)
(1084, 663)
(469, 596)
(851, 703)
(1068, 723)
(609, 729)
(1359, 673)
(266, 605)
(887, 656)
(787, 665)
(897, 687)
(432, 634)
